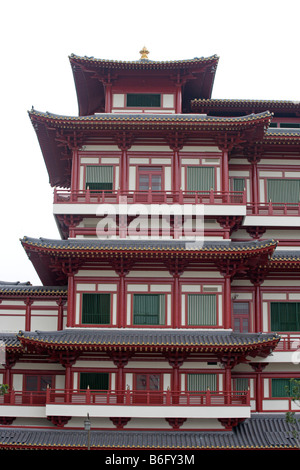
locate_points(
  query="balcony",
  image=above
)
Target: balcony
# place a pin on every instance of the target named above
(128, 403)
(87, 202)
(273, 213)
(87, 196)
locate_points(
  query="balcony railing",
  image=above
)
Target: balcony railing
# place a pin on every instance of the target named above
(288, 342)
(274, 209)
(125, 398)
(87, 196)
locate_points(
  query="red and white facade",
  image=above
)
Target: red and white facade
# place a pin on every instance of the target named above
(193, 337)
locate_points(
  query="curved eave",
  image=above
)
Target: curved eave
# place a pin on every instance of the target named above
(142, 64)
(150, 122)
(148, 342)
(100, 249)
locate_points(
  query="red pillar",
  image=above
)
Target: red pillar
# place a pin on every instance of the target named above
(259, 391)
(75, 171)
(121, 313)
(108, 97)
(178, 108)
(225, 170)
(227, 302)
(258, 309)
(176, 320)
(28, 303)
(60, 314)
(71, 303)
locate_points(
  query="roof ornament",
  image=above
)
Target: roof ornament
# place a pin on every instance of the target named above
(144, 53)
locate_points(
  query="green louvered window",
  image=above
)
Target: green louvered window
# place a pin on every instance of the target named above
(201, 382)
(200, 178)
(285, 316)
(241, 384)
(238, 184)
(99, 177)
(94, 380)
(149, 309)
(282, 388)
(143, 100)
(283, 190)
(202, 309)
(96, 309)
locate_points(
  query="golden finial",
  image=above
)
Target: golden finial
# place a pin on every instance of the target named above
(144, 53)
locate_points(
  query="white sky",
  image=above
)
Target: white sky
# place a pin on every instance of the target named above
(257, 42)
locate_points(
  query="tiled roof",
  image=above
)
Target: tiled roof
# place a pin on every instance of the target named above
(26, 289)
(100, 246)
(95, 338)
(103, 120)
(257, 432)
(141, 64)
(10, 340)
(270, 105)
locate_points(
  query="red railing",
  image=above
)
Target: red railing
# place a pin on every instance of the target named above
(125, 398)
(21, 398)
(87, 196)
(288, 342)
(274, 208)
(136, 398)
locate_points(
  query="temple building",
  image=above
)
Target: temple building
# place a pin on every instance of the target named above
(168, 314)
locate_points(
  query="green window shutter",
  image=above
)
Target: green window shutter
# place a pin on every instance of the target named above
(202, 309)
(238, 184)
(94, 380)
(285, 316)
(143, 100)
(149, 309)
(200, 178)
(241, 384)
(201, 382)
(96, 309)
(283, 190)
(279, 388)
(99, 177)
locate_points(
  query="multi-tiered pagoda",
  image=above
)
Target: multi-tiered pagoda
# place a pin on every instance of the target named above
(168, 314)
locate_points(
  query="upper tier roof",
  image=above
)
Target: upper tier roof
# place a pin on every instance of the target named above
(91, 75)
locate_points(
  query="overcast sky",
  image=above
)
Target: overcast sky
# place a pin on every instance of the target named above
(257, 42)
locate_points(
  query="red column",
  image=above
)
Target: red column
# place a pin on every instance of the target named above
(176, 320)
(178, 106)
(75, 171)
(108, 97)
(227, 302)
(253, 156)
(258, 309)
(225, 170)
(28, 303)
(71, 303)
(121, 313)
(259, 393)
(60, 314)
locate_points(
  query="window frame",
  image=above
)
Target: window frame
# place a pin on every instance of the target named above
(143, 106)
(83, 294)
(163, 300)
